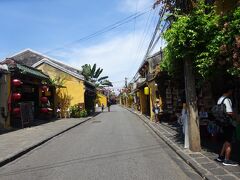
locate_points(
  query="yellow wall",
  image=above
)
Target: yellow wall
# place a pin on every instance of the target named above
(101, 99)
(130, 101)
(153, 97)
(74, 88)
(5, 83)
(143, 100)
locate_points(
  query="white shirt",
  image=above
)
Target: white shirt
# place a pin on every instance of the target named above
(227, 102)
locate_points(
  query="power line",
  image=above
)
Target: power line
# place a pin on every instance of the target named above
(158, 38)
(155, 32)
(145, 33)
(143, 37)
(162, 12)
(105, 29)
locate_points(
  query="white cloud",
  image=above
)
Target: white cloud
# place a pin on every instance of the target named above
(133, 5)
(120, 56)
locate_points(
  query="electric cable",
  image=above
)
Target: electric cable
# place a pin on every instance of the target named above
(162, 12)
(104, 30)
(144, 35)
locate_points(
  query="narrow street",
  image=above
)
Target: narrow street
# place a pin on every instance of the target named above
(111, 146)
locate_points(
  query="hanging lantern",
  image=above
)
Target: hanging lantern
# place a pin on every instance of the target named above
(16, 96)
(16, 111)
(45, 88)
(44, 110)
(17, 82)
(44, 99)
(146, 91)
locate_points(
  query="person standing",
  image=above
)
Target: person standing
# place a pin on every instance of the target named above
(156, 111)
(59, 115)
(108, 105)
(102, 107)
(227, 128)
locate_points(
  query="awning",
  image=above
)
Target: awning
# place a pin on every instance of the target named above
(34, 72)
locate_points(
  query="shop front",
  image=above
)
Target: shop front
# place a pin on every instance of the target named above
(144, 98)
(171, 95)
(31, 95)
(210, 128)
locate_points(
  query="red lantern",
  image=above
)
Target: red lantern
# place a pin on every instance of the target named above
(44, 99)
(16, 111)
(17, 82)
(44, 88)
(44, 110)
(16, 96)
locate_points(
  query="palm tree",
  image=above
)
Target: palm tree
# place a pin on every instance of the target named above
(93, 73)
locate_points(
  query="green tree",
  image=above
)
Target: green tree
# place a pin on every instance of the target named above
(189, 36)
(92, 74)
(201, 39)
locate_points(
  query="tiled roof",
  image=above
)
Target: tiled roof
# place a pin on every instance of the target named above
(30, 57)
(28, 70)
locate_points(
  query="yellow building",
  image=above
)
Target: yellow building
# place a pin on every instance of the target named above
(72, 88)
(101, 99)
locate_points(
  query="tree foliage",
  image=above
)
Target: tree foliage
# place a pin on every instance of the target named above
(206, 37)
(92, 74)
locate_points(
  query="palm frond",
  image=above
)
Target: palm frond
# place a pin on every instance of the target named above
(102, 78)
(98, 72)
(93, 70)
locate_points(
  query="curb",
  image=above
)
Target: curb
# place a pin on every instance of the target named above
(34, 146)
(204, 173)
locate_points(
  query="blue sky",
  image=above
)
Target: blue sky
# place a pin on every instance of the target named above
(44, 25)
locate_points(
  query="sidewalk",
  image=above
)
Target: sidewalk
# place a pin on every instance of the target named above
(202, 162)
(16, 143)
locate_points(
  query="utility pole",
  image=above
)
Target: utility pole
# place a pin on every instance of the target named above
(126, 82)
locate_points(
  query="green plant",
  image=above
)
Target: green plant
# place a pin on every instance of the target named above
(189, 36)
(83, 113)
(77, 112)
(206, 37)
(92, 74)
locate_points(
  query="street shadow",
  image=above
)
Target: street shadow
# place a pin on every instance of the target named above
(144, 149)
(37, 122)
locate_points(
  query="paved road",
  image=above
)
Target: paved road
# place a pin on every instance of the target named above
(112, 146)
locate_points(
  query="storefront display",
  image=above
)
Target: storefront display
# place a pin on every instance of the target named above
(26, 94)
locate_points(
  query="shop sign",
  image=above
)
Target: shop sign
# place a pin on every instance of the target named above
(26, 109)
